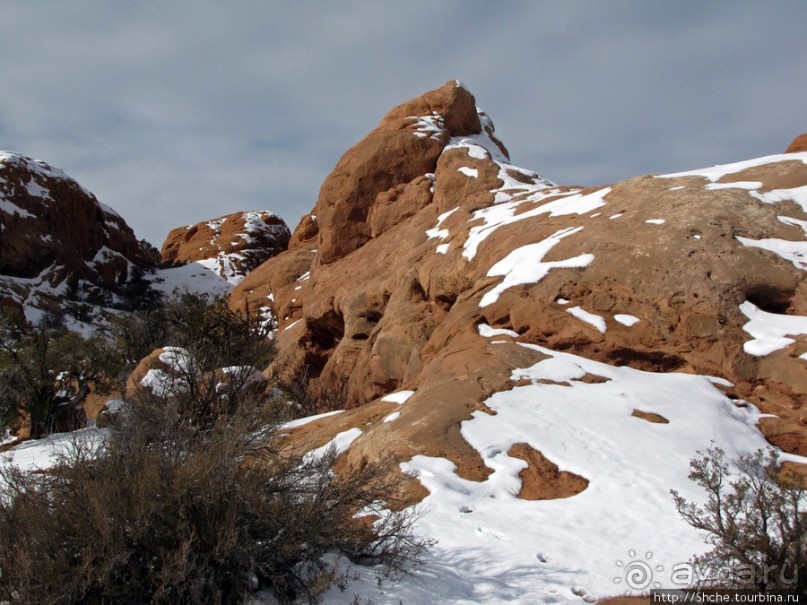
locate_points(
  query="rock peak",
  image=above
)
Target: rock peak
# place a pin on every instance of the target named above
(389, 175)
(798, 144)
(452, 102)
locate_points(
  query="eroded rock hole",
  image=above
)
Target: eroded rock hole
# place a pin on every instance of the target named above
(770, 298)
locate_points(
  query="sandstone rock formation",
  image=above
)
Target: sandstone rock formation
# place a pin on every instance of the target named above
(427, 237)
(798, 144)
(232, 245)
(54, 234)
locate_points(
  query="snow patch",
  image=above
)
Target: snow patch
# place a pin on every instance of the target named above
(590, 318)
(432, 127)
(794, 252)
(716, 173)
(525, 265)
(797, 195)
(770, 331)
(392, 417)
(293, 424)
(486, 331)
(494, 547)
(748, 185)
(400, 397)
(626, 320)
(338, 445)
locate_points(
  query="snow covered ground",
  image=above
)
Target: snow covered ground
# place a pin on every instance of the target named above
(201, 277)
(494, 547)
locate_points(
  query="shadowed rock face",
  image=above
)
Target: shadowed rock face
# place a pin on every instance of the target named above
(237, 242)
(425, 231)
(53, 229)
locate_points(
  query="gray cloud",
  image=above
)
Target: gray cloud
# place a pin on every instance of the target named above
(178, 112)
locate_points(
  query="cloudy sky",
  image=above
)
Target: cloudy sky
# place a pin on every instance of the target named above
(176, 112)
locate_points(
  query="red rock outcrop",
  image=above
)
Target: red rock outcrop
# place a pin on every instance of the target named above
(798, 144)
(387, 170)
(426, 232)
(234, 244)
(52, 230)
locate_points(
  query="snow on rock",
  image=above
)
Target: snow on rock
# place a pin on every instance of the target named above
(338, 445)
(590, 318)
(749, 185)
(626, 320)
(399, 397)
(436, 231)
(159, 382)
(506, 213)
(230, 246)
(770, 330)
(794, 252)
(488, 332)
(797, 195)
(431, 126)
(392, 417)
(199, 277)
(494, 547)
(293, 424)
(525, 265)
(716, 173)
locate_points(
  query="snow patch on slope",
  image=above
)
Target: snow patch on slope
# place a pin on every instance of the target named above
(525, 265)
(715, 173)
(770, 330)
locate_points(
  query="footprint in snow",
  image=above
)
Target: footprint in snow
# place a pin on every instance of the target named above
(496, 534)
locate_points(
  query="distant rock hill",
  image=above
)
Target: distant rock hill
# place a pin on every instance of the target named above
(231, 245)
(57, 241)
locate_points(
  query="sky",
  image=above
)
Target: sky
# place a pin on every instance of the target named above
(178, 112)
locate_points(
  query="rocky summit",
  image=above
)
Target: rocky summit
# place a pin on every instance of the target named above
(508, 339)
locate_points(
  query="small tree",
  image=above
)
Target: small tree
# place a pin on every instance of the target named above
(47, 372)
(755, 518)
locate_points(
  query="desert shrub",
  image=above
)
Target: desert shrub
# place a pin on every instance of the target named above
(205, 326)
(165, 513)
(217, 353)
(755, 518)
(308, 394)
(188, 499)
